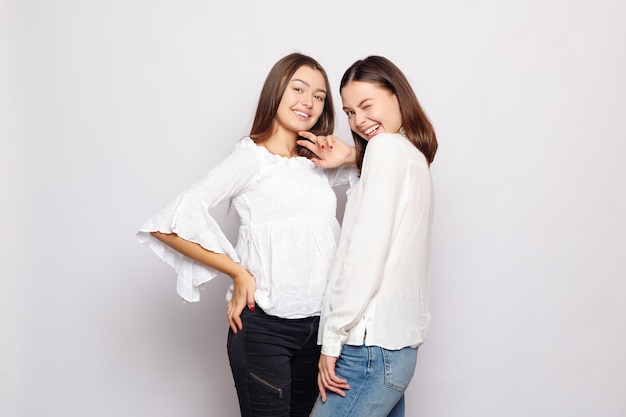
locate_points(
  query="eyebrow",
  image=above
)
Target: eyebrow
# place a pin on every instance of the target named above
(307, 84)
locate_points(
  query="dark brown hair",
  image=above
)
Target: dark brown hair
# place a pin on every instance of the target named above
(272, 92)
(415, 123)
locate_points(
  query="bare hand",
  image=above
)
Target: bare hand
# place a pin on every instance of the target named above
(328, 380)
(243, 295)
(332, 151)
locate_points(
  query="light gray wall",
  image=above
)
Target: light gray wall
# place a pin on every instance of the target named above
(111, 108)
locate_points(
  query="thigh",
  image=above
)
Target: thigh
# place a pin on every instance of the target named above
(398, 409)
(377, 379)
(353, 365)
(261, 368)
(304, 364)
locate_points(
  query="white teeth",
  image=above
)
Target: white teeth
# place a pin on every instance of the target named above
(371, 130)
(299, 113)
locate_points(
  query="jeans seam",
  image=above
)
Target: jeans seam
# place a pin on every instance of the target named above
(355, 401)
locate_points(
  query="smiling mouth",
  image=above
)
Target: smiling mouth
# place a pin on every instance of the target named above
(301, 114)
(371, 129)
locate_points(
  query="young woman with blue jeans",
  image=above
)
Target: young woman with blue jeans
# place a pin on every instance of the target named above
(376, 310)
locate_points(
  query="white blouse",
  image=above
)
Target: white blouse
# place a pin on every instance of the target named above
(378, 283)
(288, 227)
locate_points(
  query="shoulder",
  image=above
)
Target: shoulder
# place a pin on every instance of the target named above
(388, 140)
(246, 149)
(245, 145)
(387, 145)
(395, 145)
(242, 159)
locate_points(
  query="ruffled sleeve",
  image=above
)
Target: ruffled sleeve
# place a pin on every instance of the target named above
(189, 217)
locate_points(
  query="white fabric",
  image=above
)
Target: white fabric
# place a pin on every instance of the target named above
(287, 236)
(379, 281)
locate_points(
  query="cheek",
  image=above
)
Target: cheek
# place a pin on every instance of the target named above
(283, 104)
(319, 106)
(398, 114)
(352, 124)
(317, 111)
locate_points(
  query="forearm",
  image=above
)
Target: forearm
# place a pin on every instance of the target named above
(217, 261)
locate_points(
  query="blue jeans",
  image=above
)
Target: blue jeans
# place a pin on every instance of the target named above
(378, 378)
(274, 364)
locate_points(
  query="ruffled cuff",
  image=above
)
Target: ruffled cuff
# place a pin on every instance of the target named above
(189, 218)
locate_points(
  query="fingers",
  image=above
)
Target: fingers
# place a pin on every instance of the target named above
(326, 383)
(313, 141)
(233, 313)
(243, 296)
(320, 385)
(310, 144)
(236, 321)
(336, 390)
(325, 142)
(331, 140)
(330, 150)
(308, 135)
(335, 384)
(250, 301)
(328, 380)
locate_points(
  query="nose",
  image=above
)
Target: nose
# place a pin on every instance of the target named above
(307, 100)
(359, 118)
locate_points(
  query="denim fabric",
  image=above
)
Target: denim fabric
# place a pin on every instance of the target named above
(274, 364)
(378, 378)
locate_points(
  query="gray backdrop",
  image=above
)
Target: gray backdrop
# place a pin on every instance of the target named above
(109, 109)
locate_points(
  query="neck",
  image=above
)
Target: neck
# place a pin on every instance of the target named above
(282, 143)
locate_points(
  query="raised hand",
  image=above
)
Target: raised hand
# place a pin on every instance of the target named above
(332, 151)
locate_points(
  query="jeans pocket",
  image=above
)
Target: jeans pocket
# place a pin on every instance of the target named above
(399, 367)
(262, 390)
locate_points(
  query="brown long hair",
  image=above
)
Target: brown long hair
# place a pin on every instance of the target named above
(272, 92)
(415, 123)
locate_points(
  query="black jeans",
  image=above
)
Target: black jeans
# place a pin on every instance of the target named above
(274, 364)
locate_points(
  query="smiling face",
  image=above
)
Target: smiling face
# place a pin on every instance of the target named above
(303, 101)
(371, 109)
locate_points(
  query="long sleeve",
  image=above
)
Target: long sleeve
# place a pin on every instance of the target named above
(378, 272)
(343, 175)
(189, 217)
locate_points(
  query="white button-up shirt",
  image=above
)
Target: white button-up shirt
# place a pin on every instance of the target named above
(378, 283)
